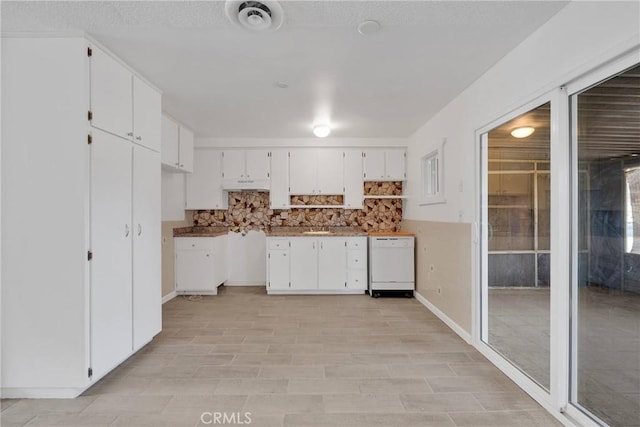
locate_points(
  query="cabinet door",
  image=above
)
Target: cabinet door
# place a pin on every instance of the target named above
(257, 164)
(170, 142)
(279, 192)
(147, 269)
(330, 171)
(304, 263)
(111, 236)
(373, 165)
(204, 185)
(233, 164)
(194, 271)
(278, 274)
(353, 183)
(395, 169)
(186, 149)
(147, 114)
(332, 263)
(302, 171)
(111, 95)
(220, 259)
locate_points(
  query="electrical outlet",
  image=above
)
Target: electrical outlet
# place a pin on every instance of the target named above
(439, 290)
(164, 240)
(432, 267)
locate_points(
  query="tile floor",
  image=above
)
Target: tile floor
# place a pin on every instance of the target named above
(608, 345)
(295, 361)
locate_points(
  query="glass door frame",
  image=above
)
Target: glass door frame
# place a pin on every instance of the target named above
(555, 398)
(560, 400)
(610, 69)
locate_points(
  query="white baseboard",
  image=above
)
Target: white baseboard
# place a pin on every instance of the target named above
(168, 297)
(446, 319)
(245, 284)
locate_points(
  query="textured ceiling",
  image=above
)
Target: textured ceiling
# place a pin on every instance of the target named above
(220, 80)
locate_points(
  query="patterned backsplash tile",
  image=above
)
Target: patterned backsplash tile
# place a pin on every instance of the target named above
(250, 211)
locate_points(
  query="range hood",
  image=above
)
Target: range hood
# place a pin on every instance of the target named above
(246, 184)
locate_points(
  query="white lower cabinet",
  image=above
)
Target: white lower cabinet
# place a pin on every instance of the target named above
(201, 264)
(316, 265)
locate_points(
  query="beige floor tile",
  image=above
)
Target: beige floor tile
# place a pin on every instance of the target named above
(49, 406)
(362, 403)
(295, 348)
(321, 359)
(538, 418)
(500, 401)
(441, 357)
(115, 404)
(251, 386)
(262, 359)
(475, 369)
(69, 420)
(202, 360)
(17, 420)
(288, 372)
(373, 358)
(440, 402)
(204, 403)
(239, 348)
(268, 404)
(395, 386)
(323, 386)
(422, 370)
(184, 419)
(180, 386)
(227, 372)
(357, 371)
(465, 384)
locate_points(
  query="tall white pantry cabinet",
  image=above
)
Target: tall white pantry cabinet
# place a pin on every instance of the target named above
(81, 288)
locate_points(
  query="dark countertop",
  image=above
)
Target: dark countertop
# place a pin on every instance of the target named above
(200, 231)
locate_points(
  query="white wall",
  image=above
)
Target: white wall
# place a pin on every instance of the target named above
(581, 36)
(300, 142)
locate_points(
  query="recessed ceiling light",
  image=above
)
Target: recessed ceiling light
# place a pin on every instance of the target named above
(321, 131)
(522, 132)
(368, 27)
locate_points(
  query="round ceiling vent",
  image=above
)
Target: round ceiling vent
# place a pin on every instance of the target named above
(263, 15)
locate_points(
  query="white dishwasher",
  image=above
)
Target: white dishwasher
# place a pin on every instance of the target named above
(391, 264)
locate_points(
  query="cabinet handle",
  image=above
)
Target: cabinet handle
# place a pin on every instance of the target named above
(139, 229)
(126, 230)
(181, 165)
(314, 245)
(177, 164)
(207, 255)
(320, 245)
(129, 133)
(139, 138)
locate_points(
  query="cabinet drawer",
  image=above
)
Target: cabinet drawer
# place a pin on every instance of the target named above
(357, 279)
(356, 259)
(357, 243)
(278, 244)
(194, 243)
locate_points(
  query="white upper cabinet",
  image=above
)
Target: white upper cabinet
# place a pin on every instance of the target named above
(384, 164)
(185, 149)
(395, 164)
(177, 145)
(203, 189)
(330, 171)
(303, 174)
(147, 113)
(353, 183)
(233, 164)
(170, 142)
(279, 184)
(246, 164)
(111, 95)
(316, 171)
(122, 103)
(257, 164)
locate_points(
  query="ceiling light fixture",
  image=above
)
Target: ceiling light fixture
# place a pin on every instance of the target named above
(522, 132)
(321, 131)
(368, 27)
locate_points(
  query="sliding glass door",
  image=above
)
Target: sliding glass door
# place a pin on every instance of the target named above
(516, 258)
(606, 249)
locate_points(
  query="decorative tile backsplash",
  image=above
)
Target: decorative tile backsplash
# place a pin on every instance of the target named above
(250, 211)
(318, 200)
